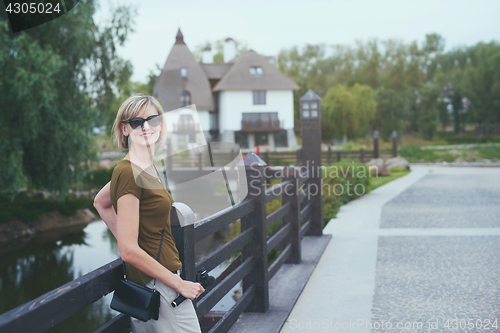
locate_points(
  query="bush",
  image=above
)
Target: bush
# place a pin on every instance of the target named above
(343, 182)
(99, 177)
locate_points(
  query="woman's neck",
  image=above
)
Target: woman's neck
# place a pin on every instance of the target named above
(142, 157)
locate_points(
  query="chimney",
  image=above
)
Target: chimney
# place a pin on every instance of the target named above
(207, 56)
(229, 50)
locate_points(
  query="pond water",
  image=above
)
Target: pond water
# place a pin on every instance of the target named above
(43, 266)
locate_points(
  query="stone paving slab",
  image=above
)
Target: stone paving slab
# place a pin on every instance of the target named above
(410, 268)
(446, 201)
(437, 280)
(284, 289)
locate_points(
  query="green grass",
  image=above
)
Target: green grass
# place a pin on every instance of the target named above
(382, 180)
(417, 154)
(492, 152)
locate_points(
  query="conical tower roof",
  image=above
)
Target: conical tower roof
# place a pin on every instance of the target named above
(169, 85)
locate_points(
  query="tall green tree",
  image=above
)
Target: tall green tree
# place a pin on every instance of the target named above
(347, 111)
(392, 111)
(56, 83)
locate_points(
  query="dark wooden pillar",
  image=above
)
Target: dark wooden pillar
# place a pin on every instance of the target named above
(375, 144)
(170, 155)
(291, 194)
(184, 240)
(329, 158)
(257, 248)
(299, 155)
(310, 120)
(394, 143)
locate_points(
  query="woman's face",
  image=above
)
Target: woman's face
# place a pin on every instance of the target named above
(146, 135)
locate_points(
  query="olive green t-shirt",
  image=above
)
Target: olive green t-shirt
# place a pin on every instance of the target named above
(154, 216)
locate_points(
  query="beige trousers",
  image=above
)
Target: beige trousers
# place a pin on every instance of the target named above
(180, 319)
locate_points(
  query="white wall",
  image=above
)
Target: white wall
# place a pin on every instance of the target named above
(204, 120)
(233, 103)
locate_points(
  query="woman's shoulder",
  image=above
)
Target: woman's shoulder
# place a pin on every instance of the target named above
(122, 170)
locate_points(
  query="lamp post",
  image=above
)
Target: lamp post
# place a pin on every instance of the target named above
(375, 144)
(394, 144)
(310, 122)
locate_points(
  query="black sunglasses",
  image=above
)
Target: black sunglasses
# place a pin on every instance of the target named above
(153, 121)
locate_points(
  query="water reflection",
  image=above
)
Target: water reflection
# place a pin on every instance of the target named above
(46, 265)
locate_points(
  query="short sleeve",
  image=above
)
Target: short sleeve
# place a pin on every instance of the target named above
(123, 182)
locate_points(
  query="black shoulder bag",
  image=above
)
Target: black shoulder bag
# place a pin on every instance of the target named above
(135, 300)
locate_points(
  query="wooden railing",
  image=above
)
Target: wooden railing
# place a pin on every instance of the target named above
(327, 157)
(250, 266)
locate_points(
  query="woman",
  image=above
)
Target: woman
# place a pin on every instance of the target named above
(136, 207)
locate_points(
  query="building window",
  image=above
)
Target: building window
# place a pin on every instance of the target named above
(259, 97)
(241, 138)
(185, 98)
(184, 73)
(280, 139)
(260, 138)
(256, 71)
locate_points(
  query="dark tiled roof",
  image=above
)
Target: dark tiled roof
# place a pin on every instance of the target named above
(216, 70)
(310, 96)
(239, 78)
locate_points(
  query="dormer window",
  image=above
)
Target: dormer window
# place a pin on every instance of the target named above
(256, 71)
(184, 73)
(185, 98)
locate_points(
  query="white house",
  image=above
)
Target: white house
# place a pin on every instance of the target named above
(244, 99)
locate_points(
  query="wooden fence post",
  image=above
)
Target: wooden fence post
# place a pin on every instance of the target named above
(257, 248)
(362, 155)
(394, 144)
(266, 157)
(170, 155)
(184, 240)
(338, 155)
(299, 154)
(329, 159)
(291, 194)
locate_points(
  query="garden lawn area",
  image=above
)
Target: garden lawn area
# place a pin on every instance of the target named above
(382, 180)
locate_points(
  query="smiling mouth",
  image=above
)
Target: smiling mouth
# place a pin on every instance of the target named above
(147, 134)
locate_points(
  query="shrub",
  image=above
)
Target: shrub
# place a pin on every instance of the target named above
(343, 182)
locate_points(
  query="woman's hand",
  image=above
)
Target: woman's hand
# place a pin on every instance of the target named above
(190, 289)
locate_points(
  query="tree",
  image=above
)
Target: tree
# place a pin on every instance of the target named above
(347, 111)
(56, 84)
(427, 102)
(392, 111)
(218, 49)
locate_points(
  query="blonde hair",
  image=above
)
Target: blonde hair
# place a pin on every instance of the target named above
(130, 109)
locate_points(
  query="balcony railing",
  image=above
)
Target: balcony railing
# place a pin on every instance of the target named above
(260, 122)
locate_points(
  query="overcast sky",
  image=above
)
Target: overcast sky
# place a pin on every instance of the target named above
(268, 26)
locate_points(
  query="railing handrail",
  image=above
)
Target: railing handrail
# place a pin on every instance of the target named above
(59, 304)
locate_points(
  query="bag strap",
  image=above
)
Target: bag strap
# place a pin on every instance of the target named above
(157, 259)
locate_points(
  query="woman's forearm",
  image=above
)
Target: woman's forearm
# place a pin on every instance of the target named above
(138, 258)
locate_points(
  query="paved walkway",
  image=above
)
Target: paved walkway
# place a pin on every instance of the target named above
(420, 254)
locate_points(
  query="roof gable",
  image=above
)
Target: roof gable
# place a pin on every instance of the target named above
(170, 84)
(238, 77)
